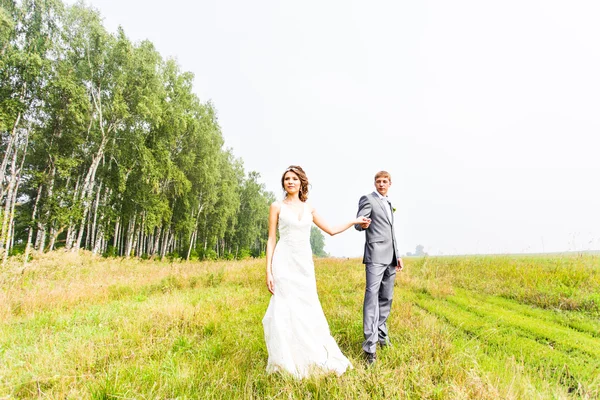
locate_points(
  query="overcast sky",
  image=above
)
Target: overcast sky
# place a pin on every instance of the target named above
(487, 114)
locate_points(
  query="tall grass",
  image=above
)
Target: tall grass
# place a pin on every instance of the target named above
(75, 326)
(561, 282)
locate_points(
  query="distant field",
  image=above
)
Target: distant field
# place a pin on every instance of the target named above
(473, 327)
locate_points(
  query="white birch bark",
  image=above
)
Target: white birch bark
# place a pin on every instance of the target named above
(12, 143)
(8, 196)
(129, 238)
(30, 233)
(155, 247)
(11, 221)
(98, 237)
(71, 229)
(95, 218)
(86, 192)
(116, 235)
(166, 243)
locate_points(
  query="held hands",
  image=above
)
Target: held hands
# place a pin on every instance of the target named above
(364, 222)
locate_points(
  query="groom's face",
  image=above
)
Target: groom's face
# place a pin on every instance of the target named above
(382, 185)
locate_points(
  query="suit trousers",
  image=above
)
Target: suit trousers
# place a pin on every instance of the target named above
(379, 293)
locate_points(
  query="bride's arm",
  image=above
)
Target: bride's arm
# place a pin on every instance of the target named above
(271, 241)
(320, 222)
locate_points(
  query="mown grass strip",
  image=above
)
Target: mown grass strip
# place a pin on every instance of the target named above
(540, 330)
(500, 372)
(577, 321)
(572, 372)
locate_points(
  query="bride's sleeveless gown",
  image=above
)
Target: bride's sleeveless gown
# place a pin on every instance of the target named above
(296, 331)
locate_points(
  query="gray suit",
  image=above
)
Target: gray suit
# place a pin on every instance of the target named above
(380, 259)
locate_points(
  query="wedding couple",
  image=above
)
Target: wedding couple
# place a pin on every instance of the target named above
(296, 331)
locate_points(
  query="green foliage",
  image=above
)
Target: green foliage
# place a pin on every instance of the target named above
(111, 251)
(6, 25)
(244, 254)
(317, 242)
(194, 255)
(123, 159)
(210, 255)
(17, 250)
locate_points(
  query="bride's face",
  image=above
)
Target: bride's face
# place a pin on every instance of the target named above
(291, 183)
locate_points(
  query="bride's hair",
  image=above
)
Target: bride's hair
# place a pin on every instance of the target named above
(303, 192)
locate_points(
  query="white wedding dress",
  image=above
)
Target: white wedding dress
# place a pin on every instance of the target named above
(296, 331)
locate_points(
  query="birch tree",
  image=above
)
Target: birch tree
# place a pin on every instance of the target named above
(106, 147)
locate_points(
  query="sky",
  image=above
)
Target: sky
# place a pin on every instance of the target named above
(486, 114)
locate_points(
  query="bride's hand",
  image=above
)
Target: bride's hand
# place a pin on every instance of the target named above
(363, 221)
(270, 283)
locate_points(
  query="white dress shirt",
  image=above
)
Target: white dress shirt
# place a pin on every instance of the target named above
(389, 208)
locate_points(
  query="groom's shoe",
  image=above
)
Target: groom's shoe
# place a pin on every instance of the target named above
(385, 344)
(370, 358)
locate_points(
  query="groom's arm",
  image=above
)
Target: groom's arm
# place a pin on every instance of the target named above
(364, 210)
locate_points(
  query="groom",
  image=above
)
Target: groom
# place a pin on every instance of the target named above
(382, 262)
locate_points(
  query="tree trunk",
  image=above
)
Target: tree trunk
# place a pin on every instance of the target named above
(71, 230)
(195, 231)
(95, 219)
(155, 247)
(99, 224)
(88, 188)
(116, 235)
(49, 194)
(129, 238)
(40, 237)
(166, 242)
(8, 199)
(88, 231)
(150, 245)
(140, 239)
(30, 233)
(122, 240)
(135, 238)
(90, 178)
(119, 249)
(11, 221)
(12, 142)
(192, 239)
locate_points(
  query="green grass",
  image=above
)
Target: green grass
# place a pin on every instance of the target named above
(512, 327)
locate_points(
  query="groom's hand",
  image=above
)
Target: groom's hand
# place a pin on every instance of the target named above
(365, 224)
(400, 265)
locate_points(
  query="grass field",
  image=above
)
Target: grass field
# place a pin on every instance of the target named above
(511, 327)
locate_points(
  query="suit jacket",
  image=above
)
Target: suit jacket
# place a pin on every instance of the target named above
(380, 240)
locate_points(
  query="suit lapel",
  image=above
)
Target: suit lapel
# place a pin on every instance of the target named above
(383, 205)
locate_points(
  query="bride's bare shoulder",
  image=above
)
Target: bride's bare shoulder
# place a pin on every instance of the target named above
(310, 207)
(276, 206)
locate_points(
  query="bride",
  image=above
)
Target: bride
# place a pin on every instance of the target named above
(296, 331)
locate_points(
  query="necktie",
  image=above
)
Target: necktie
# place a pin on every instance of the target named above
(389, 208)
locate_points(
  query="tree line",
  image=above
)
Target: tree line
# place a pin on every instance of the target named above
(105, 146)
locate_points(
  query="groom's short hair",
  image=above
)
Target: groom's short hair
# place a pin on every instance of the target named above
(383, 174)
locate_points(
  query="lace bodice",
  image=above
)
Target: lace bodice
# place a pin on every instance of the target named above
(294, 230)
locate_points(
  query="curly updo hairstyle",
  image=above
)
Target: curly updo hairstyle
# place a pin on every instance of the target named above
(303, 192)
